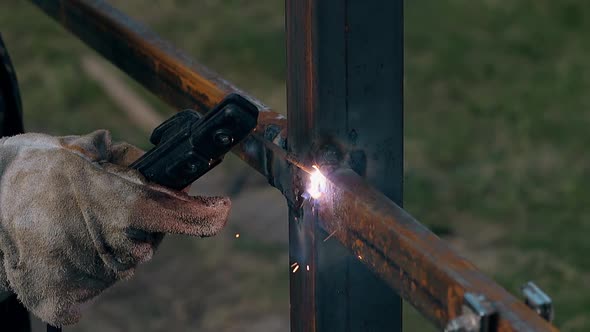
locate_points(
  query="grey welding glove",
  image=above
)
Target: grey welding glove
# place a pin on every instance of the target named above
(74, 220)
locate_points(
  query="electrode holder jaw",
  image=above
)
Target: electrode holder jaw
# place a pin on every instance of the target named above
(188, 145)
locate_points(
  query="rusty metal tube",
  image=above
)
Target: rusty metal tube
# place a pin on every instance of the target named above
(402, 252)
(161, 68)
(410, 258)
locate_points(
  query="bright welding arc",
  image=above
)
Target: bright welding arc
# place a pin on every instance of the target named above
(317, 183)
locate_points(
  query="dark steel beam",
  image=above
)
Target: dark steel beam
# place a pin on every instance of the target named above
(402, 252)
(345, 98)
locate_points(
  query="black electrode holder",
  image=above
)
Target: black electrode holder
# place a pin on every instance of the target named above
(187, 145)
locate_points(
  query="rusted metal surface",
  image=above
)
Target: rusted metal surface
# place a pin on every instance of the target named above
(165, 71)
(410, 258)
(344, 61)
(303, 286)
(398, 249)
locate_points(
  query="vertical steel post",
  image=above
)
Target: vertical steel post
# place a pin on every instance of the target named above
(345, 104)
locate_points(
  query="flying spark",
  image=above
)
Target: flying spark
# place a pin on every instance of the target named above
(329, 236)
(307, 267)
(317, 183)
(292, 265)
(237, 235)
(296, 268)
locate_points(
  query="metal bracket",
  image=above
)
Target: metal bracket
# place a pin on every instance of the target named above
(479, 315)
(538, 300)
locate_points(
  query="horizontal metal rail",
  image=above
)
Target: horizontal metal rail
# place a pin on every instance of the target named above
(404, 253)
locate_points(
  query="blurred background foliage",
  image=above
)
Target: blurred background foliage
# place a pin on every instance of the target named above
(497, 134)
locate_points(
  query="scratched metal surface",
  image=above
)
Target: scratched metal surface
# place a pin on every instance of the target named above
(396, 247)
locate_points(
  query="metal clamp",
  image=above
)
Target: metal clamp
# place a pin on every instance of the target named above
(538, 300)
(479, 315)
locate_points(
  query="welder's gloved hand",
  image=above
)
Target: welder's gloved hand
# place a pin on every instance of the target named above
(74, 219)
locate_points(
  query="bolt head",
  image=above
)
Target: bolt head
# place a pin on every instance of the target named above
(223, 138)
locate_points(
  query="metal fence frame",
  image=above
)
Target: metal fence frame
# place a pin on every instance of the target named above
(345, 100)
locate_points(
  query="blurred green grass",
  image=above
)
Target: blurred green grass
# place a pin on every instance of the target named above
(497, 116)
(498, 112)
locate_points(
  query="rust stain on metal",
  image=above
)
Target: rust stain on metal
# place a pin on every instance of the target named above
(433, 276)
